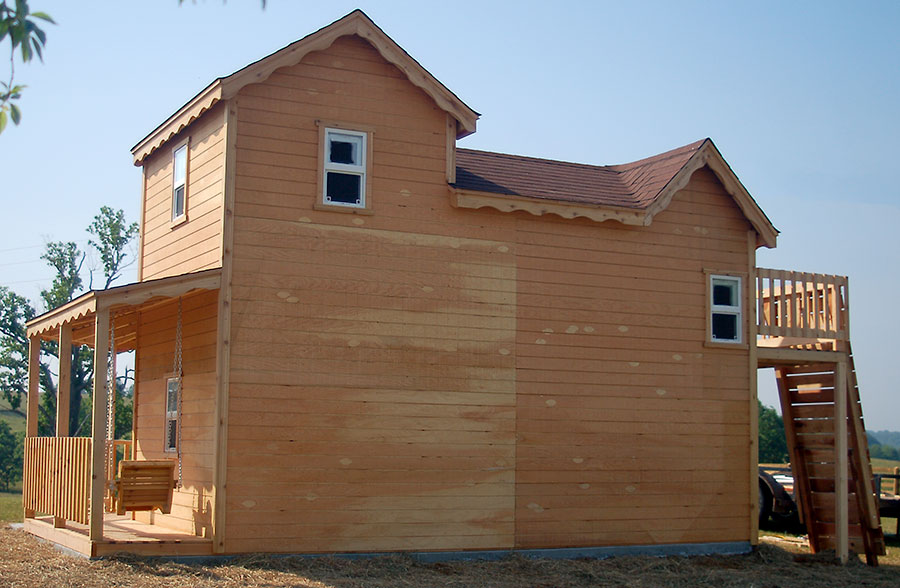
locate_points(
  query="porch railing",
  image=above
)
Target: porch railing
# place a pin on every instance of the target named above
(802, 305)
(57, 478)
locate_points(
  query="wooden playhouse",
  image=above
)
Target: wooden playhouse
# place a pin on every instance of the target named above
(353, 336)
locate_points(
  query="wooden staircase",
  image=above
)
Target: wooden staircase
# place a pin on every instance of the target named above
(830, 455)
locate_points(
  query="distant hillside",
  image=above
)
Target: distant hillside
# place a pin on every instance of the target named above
(16, 420)
(885, 438)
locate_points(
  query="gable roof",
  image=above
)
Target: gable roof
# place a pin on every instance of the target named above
(355, 23)
(631, 193)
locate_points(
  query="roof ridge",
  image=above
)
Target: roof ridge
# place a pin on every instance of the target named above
(616, 167)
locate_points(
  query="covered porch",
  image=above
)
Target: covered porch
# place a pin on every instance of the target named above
(70, 490)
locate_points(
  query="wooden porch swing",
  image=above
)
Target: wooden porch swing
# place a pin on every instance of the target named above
(146, 485)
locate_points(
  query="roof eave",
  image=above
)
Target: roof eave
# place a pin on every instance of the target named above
(709, 155)
(461, 198)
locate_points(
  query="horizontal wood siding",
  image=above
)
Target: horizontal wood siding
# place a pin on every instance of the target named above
(372, 394)
(429, 378)
(156, 352)
(194, 245)
(631, 430)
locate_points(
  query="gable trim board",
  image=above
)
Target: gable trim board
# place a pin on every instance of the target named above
(356, 23)
(632, 193)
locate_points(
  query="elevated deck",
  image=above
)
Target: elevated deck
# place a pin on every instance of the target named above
(803, 331)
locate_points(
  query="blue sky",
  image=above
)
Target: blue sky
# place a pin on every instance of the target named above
(802, 99)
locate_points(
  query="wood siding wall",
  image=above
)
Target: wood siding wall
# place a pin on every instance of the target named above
(167, 249)
(155, 355)
(630, 429)
(372, 377)
(429, 378)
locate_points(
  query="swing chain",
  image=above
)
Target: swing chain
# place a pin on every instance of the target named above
(177, 369)
(110, 387)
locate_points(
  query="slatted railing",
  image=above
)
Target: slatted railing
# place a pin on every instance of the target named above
(57, 477)
(803, 305)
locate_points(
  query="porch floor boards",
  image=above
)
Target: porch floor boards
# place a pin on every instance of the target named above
(120, 534)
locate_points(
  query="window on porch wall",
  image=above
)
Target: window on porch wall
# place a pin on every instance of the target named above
(173, 390)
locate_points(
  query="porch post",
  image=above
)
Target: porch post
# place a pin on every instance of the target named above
(65, 380)
(34, 373)
(98, 423)
(31, 410)
(840, 462)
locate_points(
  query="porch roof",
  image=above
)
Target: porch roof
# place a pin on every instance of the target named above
(123, 303)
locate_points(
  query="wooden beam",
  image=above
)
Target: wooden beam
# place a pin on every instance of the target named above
(840, 461)
(34, 372)
(63, 389)
(752, 322)
(98, 422)
(223, 335)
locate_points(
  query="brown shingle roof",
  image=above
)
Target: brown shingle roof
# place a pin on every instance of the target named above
(629, 185)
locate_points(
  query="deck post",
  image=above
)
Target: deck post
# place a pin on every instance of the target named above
(32, 400)
(98, 423)
(840, 461)
(65, 380)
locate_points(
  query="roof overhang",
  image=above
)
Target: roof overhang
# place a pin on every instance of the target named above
(540, 206)
(355, 23)
(123, 302)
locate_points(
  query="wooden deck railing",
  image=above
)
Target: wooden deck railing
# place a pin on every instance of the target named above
(57, 477)
(802, 305)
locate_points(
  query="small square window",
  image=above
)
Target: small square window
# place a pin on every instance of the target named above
(725, 309)
(344, 168)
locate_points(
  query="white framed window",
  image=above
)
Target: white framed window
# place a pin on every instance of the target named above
(179, 182)
(726, 314)
(173, 391)
(344, 170)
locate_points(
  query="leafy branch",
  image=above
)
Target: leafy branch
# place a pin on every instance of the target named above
(19, 25)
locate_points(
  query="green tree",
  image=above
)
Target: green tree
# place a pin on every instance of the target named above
(15, 311)
(10, 457)
(18, 24)
(110, 236)
(772, 441)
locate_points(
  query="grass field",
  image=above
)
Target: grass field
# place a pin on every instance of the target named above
(11, 506)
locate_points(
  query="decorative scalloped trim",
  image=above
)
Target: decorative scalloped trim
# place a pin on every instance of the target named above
(175, 125)
(537, 207)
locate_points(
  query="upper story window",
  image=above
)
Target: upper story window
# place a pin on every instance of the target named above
(179, 182)
(344, 169)
(726, 324)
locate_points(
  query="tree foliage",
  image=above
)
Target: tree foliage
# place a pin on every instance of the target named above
(772, 440)
(19, 25)
(110, 236)
(15, 311)
(11, 456)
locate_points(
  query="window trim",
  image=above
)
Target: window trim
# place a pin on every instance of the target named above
(738, 310)
(171, 415)
(181, 218)
(365, 133)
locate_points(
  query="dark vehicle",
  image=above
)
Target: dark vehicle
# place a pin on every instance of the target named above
(776, 497)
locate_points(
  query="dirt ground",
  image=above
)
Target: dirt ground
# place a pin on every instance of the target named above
(27, 562)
